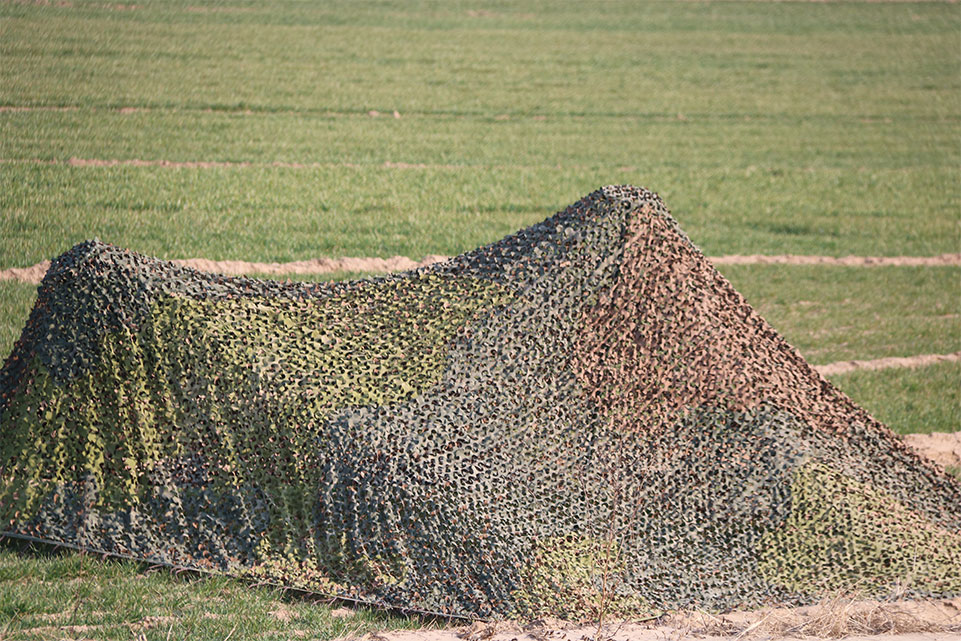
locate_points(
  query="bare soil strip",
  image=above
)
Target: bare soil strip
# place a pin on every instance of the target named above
(312, 266)
(833, 618)
(429, 113)
(941, 447)
(850, 261)
(67, 3)
(921, 360)
(192, 164)
(34, 274)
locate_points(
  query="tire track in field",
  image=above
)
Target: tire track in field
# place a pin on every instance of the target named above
(374, 265)
(840, 261)
(34, 274)
(68, 4)
(890, 362)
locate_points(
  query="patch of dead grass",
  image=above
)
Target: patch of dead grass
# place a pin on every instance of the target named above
(833, 617)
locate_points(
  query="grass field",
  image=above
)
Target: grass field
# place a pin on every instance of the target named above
(50, 595)
(767, 128)
(806, 128)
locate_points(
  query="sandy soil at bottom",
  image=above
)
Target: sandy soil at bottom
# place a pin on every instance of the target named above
(942, 447)
(837, 618)
(632, 633)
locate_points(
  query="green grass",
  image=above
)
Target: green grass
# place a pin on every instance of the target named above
(46, 595)
(16, 301)
(845, 313)
(605, 58)
(909, 401)
(276, 214)
(769, 128)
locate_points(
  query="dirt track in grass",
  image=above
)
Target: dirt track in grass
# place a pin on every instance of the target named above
(842, 261)
(361, 264)
(920, 360)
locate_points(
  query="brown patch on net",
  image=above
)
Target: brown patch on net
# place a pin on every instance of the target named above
(672, 333)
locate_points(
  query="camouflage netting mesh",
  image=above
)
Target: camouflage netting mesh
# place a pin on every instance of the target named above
(583, 415)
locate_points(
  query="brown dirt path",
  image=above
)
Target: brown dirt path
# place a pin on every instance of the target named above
(850, 261)
(207, 164)
(921, 360)
(312, 266)
(34, 273)
(942, 447)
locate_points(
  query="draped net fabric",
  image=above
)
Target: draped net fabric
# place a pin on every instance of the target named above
(582, 415)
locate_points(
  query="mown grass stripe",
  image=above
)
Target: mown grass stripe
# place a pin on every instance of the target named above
(387, 111)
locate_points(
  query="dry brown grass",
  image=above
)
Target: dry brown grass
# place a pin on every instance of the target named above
(833, 617)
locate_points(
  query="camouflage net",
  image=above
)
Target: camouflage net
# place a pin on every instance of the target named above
(583, 416)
